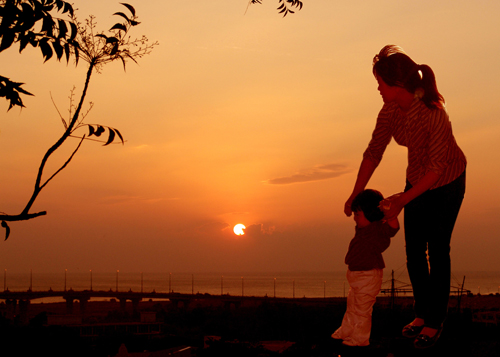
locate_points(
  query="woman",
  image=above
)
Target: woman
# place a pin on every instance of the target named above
(414, 115)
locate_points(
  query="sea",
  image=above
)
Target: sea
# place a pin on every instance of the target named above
(284, 284)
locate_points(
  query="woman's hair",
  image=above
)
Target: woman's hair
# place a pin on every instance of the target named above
(396, 68)
(368, 202)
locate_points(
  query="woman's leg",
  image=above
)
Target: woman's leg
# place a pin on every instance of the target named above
(429, 223)
(449, 200)
(416, 254)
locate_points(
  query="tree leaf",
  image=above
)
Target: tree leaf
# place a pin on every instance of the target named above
(99, 131)
(10, 90)
(33, 41)
(7, 229)
(14, 99)
(19, 89)
(9, 15)
(24, 40)
(119, 135)
(74, 31)
(59, 4)
(46, 49)
(111, 136)
(122, 15)
(28, 17)
(114, 50)
(129, 7)
(47, 26)
(58, 49)
(47, 7)
(63, 29)
(127, 53)
(7, 39)
(123, 61)
(76, 49)
(91, 130)
(68, 8)
(39, 14)
(67, 51)
(119, 27)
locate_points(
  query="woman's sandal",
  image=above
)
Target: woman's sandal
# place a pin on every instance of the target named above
(424, 341)
(412, 331)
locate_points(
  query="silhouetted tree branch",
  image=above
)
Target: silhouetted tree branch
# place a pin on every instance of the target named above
(284, 6)
(33, 22)
(97, 49)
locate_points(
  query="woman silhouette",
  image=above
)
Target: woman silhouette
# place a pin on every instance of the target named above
(414, 115)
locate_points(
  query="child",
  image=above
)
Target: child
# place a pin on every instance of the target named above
(365, 267)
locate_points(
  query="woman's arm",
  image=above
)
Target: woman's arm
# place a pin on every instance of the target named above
(365, 172)
(393, 205)
(381, 137)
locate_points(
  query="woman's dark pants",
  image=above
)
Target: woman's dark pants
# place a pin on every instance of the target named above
(429, 220)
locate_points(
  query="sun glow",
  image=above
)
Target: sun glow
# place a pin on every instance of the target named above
(238, 229)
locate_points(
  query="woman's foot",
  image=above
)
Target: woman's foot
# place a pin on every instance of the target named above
(427, 337)
(414, 328)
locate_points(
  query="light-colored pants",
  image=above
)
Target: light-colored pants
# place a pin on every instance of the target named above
(364, 287)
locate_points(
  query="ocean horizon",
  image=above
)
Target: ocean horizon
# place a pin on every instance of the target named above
(277, 284)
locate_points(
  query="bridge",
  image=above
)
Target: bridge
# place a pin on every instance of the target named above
(18, 302)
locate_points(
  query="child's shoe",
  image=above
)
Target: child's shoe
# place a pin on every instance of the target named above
(336, 335)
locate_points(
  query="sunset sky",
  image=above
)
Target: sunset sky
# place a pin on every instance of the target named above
(243, 116)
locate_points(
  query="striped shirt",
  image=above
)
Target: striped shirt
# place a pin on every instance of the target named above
(428, 136)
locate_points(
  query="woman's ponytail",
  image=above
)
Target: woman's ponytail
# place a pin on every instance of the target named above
(432, 98)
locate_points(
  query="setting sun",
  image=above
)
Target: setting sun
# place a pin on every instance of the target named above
(238, 229)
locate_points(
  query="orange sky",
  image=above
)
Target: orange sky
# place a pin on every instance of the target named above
(244, 118)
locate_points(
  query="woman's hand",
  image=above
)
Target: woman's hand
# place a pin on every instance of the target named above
(347, 207)
(392, 206)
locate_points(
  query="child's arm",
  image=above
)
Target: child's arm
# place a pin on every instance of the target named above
(393, 222)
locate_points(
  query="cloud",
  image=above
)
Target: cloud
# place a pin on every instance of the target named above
(322, 172)
(261, 229)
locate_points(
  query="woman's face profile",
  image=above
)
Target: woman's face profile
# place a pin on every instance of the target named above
(389, 93)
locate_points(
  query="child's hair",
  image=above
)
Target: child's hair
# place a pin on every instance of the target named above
(368, 202)
(396, 68)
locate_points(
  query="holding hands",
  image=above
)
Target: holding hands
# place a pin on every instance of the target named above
(392, 206)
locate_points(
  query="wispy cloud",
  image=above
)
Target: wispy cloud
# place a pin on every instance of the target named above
(321, 172)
